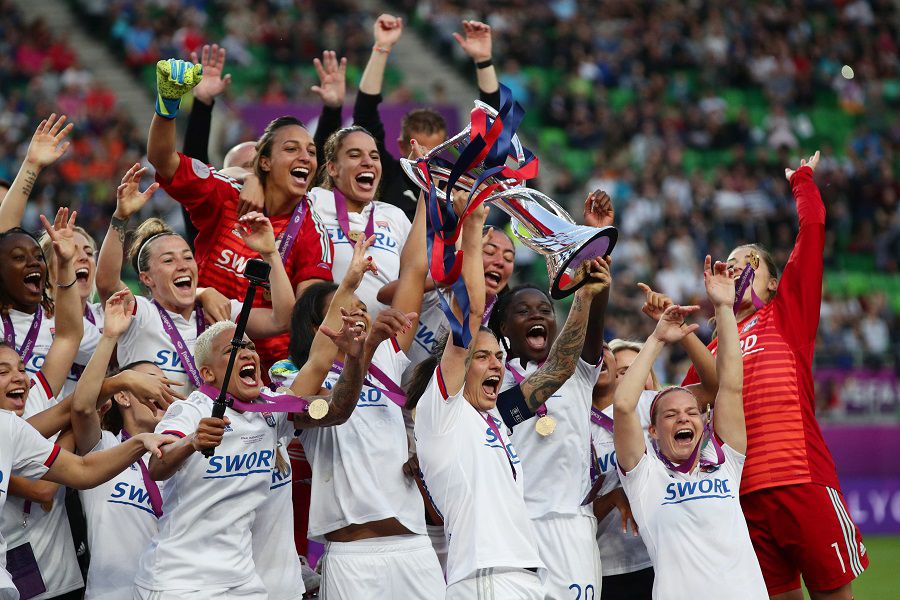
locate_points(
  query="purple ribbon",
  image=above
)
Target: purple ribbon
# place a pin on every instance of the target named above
(152, 487)
(743, 282)
(596, 475)
(9, 334)
(271, 404)
(493, 425)
(602, 419)
(184, 354)
(343, 217)
(291, 232)
(390, 389)
(705, 465)
(488, 309)
(89, 315)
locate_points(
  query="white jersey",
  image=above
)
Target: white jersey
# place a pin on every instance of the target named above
(208, 504)
(120, 525)
(357, 467)
(391, 228)
(22, 323)
(619, 552)
(274, 553)
(47, 531)
(96, 310)
(694, 529)
(469, 473)
(146, 339)
(23, 452)
(557, 467)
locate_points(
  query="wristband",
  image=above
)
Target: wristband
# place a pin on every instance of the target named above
(512, 407)
(484, 64)
(65, 287)
(381, 49)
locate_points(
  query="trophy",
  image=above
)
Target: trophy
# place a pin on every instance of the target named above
(539, 222)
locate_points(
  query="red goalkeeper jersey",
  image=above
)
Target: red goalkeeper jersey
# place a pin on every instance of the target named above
(211, 199)
(784, 443)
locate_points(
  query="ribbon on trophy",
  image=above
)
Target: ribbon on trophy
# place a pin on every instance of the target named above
(490, 143)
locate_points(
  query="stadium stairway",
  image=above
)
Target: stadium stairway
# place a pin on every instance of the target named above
(93, 54)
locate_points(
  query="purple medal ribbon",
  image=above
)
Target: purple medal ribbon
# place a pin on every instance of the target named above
(705, 465)
(390, 389)
(9, 334)
(89, 315)
(743, 282)
(291, 232)
(281, 403)
(488, 309)
(602, 419)
(184, 354)
(343, 217)
(152, 487)
(493, 425)
(605, 421)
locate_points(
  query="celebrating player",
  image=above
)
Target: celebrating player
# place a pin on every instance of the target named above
(798, 519)
(680, 498)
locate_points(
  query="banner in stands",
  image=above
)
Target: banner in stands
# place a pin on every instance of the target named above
(859, 393)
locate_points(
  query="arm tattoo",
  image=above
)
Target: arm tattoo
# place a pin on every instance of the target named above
(119, 225)
(562, 360)
(30, 178)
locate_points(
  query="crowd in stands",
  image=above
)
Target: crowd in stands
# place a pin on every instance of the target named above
(683, 111)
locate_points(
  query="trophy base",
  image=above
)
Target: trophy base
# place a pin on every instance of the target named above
(567, 279)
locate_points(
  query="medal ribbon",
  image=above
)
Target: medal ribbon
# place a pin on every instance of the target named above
(89, 315)
(488, 309)
(489, 145)
(286, 403)
(152, 486)
(9, 334)
(705, 464)
(602, 419)
(393, 391)
(493, 425)
(184, 354)
(597, 477)
(743, 282)
(292, 231)
(343, 217)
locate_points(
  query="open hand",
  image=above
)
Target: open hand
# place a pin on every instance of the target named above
(390, 323)
(352, 334)
(812, 163)
(213, 82)
(62, 233)
(48, 142)
(671, 327)
(332, 79)
(152, 391)
(719, 283)
(477, 41)
(129, 197)
(216, 307)
(360, 263)
(118, 313)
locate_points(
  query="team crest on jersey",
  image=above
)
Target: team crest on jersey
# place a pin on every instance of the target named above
(200, 168)
(749, 325)
(383, 225)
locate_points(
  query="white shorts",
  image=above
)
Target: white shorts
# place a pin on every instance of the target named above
(568, 547)
(439, 543)
(498, 584)
(399, 566)
(252, 590)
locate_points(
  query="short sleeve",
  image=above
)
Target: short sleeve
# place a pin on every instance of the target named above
(390, 358)
(635, 481)
(438, 408)
(40, 396)
(734, 462)
(236, 306)
(587, 373)
(181, 418)
(34, 454)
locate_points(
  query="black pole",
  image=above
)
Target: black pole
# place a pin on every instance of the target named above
(257, 272)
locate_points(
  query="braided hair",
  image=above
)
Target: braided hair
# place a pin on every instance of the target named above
(46, 299)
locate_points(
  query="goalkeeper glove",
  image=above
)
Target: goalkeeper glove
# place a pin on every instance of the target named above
(174, 79)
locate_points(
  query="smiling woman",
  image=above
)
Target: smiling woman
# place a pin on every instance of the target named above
(346, 201)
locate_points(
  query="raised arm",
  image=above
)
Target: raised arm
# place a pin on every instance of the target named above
(174, 78)
(628, 434)
(598, 212)
(407, 296)
(655, 303)
(358, 348)
(323, 350)
(213, 83)
(129, 200)
(85, 472)
(477, 45)
(259, 236)
(331, 90)
(47, 144)
(68, 314)
(567, 348)
(387, 30)
(729, 413)
(87, 399)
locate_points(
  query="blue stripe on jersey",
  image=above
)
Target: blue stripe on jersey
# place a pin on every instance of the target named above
(237, 474)
(697, 498)
(143, 508)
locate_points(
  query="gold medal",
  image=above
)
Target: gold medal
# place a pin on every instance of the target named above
(284, 390)
(355, 235)
(545, 425)
(754, 259)
(318, 408)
